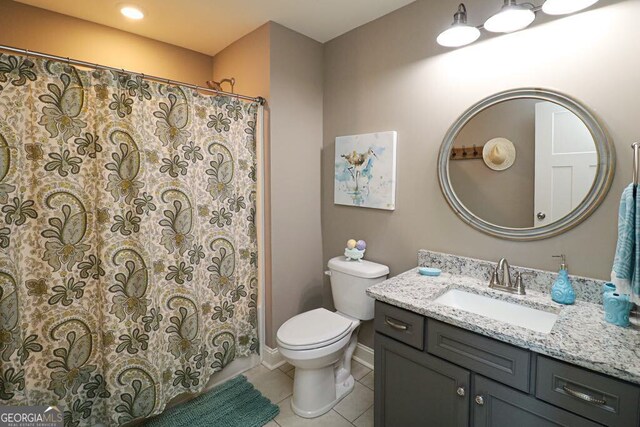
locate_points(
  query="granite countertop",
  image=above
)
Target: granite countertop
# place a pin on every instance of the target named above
(580, 335)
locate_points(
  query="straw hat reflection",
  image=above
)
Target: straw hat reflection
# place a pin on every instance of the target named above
(499, 154)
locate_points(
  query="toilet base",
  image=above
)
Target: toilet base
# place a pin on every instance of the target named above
(342, 389)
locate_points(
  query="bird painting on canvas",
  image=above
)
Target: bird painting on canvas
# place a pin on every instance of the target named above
(365, 170)
(356, 160)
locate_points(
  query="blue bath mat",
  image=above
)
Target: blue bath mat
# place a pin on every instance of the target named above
(234, 403)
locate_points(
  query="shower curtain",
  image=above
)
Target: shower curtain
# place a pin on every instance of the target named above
(128, 254)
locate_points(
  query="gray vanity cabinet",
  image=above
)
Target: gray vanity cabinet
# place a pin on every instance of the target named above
(429, 373)
(415, 389)
(496, 405)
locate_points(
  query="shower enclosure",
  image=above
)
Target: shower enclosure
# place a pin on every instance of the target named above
(129, 261)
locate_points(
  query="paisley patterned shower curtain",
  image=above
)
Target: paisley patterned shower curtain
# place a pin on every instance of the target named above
(128, 255)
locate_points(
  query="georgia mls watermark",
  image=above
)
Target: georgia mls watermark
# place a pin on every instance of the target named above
(31, 416)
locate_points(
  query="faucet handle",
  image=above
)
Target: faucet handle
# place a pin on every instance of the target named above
(519, 285)
(494, 277)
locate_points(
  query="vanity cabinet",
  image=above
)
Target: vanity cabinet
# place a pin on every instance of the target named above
(454, 377)
(417, 389)
(496, 405)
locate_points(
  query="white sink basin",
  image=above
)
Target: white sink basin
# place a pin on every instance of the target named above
(514, 314)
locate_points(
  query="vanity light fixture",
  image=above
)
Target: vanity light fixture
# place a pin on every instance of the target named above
(564, 7)
(512, 17)
(459, 33)
(132, 12)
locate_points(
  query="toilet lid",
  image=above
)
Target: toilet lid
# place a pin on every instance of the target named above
(312, 329)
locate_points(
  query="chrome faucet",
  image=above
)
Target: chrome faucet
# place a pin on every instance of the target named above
(501, 279)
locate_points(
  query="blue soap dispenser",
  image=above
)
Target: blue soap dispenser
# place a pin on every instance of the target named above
(562, 292)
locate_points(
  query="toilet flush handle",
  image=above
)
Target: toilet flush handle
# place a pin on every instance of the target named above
(327, 273)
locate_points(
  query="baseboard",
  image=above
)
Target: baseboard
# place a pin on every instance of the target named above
(272, 359)
(364, 355)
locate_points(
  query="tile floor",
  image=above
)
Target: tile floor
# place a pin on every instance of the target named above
(356, 409)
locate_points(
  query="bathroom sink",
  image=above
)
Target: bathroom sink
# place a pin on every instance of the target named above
(514, 314)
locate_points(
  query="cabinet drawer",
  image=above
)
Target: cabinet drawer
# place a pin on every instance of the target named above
(400, 324)
(494, 359)
(496, 405)
(592, 395)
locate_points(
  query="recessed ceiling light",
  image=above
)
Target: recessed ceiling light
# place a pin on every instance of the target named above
(132, 12)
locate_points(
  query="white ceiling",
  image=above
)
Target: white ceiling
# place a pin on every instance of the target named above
(208, 26)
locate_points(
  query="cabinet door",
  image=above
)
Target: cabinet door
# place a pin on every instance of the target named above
(415, 389)
(497, 405)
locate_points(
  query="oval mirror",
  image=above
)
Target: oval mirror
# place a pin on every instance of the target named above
(525, 164)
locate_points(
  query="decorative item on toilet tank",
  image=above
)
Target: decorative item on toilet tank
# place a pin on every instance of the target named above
(365, 170)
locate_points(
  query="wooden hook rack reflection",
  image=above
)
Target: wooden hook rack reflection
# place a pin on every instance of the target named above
(465, 153)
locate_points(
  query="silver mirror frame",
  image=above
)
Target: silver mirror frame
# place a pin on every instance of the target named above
(597, 193)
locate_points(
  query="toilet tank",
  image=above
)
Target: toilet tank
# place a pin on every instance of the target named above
(349, 282)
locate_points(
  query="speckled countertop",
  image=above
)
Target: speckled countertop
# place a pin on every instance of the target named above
(579, 336)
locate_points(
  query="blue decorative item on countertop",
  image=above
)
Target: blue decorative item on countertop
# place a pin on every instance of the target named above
(562, 292)
(428, 271)
(617, 308)
(608, 287)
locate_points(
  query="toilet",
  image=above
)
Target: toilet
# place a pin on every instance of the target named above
(320, 343)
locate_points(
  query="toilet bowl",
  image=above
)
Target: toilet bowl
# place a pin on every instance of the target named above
(320, 343)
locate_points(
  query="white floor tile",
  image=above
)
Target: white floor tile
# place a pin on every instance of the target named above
(358, 370)
(256, 372)
(291, 373)
(366, 419)
(356, 403)
(286, 367)
(272, 424)
(274, 385)
(368, 380)
(287, 418)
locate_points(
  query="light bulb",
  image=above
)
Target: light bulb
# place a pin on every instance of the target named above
(132, 12)
(458, 35)
(564, 7)
(511, 18)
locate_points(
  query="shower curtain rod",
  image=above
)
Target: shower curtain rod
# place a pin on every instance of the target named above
(77, 62)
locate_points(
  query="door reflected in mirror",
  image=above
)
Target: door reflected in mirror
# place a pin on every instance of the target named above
(523, 163)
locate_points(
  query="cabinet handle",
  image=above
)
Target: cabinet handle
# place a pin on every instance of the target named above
(460, 391)
(395, 324)
(479, 400)
(583, 396)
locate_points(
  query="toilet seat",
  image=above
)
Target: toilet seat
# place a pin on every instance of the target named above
(313, 329)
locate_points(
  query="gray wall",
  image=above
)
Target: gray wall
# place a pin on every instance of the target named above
(391, 75)
(296, 144)
(501, 197)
